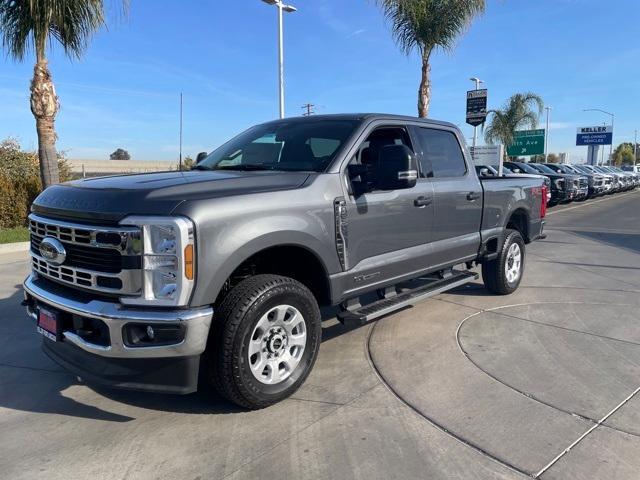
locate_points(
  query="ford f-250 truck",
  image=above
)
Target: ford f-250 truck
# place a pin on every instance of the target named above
(158, 281)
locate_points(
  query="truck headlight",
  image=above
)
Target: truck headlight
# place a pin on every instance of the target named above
(559, 183)
(168, 260)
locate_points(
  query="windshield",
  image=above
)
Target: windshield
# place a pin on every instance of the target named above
(582, 169)
(285, 145)
(554, 168)
(526, 168)
(544, 169)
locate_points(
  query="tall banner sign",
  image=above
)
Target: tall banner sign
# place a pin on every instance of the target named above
(476, 107)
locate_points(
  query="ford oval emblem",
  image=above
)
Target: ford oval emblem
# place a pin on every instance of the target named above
(52, 250)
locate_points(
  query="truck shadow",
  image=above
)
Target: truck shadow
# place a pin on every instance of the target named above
(626, 241)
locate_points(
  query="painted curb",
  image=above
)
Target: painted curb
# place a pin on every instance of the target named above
(14, 247)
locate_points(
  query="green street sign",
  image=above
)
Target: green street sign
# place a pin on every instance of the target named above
(527, 142)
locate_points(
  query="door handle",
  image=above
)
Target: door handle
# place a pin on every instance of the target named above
(471, 196)
(422, 201)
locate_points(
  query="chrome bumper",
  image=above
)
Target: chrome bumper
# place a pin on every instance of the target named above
(115, 316)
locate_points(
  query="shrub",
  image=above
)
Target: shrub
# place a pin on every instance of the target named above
(20, 182)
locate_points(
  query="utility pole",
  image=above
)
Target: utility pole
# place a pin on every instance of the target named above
(309, 109)
(635, 147)
(546, 135)
(180, 157)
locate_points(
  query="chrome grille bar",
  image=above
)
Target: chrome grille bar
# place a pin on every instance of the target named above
(127, 240)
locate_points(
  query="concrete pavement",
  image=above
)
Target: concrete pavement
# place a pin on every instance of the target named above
(466, 385)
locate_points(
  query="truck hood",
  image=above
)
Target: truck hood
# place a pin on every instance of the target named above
(109, 199)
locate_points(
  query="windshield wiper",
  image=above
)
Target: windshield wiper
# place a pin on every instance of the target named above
(200, 167)
(246, 166)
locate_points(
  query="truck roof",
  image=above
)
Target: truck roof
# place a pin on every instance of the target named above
(364, 116)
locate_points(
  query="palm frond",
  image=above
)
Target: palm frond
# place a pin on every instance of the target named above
(27, 25)
(426, 24)
(521, 110)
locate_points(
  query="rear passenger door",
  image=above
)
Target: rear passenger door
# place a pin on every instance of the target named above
(457, 193)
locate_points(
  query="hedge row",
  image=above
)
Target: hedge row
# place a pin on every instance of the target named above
(20, 182)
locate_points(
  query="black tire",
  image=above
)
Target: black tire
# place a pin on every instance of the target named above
(494, 271)
(227, 361)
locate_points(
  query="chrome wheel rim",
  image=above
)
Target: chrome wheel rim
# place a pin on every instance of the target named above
(277, 344)
(514, 263)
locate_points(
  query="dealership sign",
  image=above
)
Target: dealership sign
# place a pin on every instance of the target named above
(527, 142)
(487, 155)
(602, 135)
(476, 107)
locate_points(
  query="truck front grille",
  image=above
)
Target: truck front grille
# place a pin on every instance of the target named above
(99, 259)
(104, 259)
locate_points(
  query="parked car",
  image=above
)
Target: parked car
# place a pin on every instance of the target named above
(608, 178)
(619, 180)
(595, 180)
(561, 189)
(486, 171)
(141, 281)
(631, 168)
(580, 188)
(630, 177)
(599, 183)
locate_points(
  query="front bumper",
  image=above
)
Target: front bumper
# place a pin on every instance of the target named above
(113, 361)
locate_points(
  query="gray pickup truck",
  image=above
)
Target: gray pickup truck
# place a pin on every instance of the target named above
(215, 276)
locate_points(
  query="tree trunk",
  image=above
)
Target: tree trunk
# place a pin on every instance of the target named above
(424, 91)
(44, 106)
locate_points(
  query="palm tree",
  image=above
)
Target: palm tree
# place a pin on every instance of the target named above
(27, 25)
(424, 25)
(522, 110)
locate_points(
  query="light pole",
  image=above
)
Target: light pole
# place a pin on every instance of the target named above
(475, 128)
(612, 117)
(289, 9)
(635, 146)
(546, 135)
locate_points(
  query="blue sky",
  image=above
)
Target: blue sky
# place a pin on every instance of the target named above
(339, 55)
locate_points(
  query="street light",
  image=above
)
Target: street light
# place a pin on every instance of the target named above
(475, 128)
(612, 117)
(546, 135)
(289, 9)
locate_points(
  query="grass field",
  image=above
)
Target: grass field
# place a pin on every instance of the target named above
(10, 235)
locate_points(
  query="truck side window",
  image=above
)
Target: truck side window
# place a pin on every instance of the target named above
(441, 153)
(368, 153)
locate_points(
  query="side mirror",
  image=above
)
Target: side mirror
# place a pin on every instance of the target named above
(201, 156)
(485, 172)
(397, 168)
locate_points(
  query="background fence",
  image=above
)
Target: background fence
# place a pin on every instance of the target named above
(95, 168)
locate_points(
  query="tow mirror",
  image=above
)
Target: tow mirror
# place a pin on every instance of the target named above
(201, 156)
(397, 168)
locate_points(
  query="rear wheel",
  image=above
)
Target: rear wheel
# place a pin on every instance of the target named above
(503, 274)
(264, 340)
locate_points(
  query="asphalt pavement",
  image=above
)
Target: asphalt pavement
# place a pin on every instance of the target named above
(543, 383)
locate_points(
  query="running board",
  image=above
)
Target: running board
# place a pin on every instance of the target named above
(371, 311)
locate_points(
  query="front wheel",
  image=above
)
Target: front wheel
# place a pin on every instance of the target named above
(503, 274)
(264, 340)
